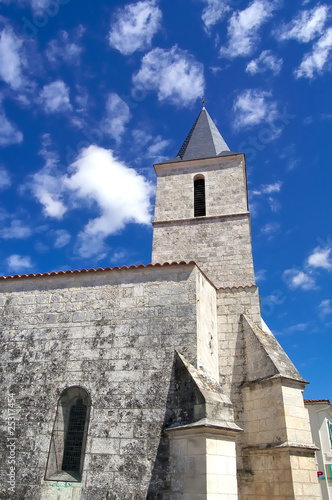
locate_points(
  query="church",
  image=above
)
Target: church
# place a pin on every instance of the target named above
(156, 382)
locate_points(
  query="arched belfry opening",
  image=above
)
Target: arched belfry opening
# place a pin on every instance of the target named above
(199, 196)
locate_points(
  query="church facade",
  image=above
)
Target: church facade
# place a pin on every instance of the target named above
(158, 382)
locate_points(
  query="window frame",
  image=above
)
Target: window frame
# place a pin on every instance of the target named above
(67, 400)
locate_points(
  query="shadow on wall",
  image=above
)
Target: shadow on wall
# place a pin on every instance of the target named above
(183, 400)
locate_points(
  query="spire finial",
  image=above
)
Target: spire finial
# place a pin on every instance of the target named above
(203, 101)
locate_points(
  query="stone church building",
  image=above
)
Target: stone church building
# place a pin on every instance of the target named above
(157, 382)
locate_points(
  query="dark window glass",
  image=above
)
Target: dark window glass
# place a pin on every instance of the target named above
(74, 437)
(199, 198)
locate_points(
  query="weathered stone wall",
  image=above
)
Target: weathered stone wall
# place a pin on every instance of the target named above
(221, 247)
(231, 304)
(114, 334)
(219, 243)
(276, 443)
(225, 187)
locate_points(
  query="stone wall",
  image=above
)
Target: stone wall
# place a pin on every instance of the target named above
(220, 246)
(219, 243)
(225, 187)
(207, 464)
(113, 333)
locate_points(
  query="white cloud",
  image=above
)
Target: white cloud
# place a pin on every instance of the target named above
(321, 258)
(298, 279)
(134, 26)
(214, 12)
(121, 194)
(9, 134)
(10, 58)
(141, 137)
(62, 238)
(325, 307)
(317, 60)
(18, 263)
(158, 145)
(305, 26)
(300, 327)
(65, 49)
(272, 188)
(243, 28)
(47, 187)
(265, 62)
(4, 178)
(117, 116)
(16, 230)
(267, 189)
(174, 74)
(270, 228)
(253, 107)
(55, 97)
(260, 275)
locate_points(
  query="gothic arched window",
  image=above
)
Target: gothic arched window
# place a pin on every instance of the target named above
(67, 448)
(199, 196)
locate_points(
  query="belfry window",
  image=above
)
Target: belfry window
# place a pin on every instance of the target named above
(67, 448)
(199, 196)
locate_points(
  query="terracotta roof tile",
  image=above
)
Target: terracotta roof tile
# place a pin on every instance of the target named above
(317, 401)
(99, 269)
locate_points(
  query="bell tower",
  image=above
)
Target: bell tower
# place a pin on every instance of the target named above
(201, 210)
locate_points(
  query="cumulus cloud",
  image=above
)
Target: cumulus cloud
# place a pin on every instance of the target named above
(243, 28)
(65, 49)
(47, 187)
(117, 116)
(16, 230)
(134, 26)
(62, 238)
(174, 74)
(18, 263)
(307, 25)
(325, 307)
(9, 133)
(253, 107)
(266, 61)
(54, 97)
(214, 11)
(321, 258)
(298, 279)
(10, 58)
(158, 145)
(121, 194)
(316, 61)
(267, 189)
(4, 178)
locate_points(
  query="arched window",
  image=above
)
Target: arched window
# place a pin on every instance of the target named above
(67, 448)
(199, 196)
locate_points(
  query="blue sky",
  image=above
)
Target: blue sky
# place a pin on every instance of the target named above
(93, 93)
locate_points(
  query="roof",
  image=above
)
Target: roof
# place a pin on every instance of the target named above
(326, 401)
(123, 268)
(203, 141)
(92, 270)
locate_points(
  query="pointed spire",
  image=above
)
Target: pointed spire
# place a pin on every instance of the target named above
(204, 139)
